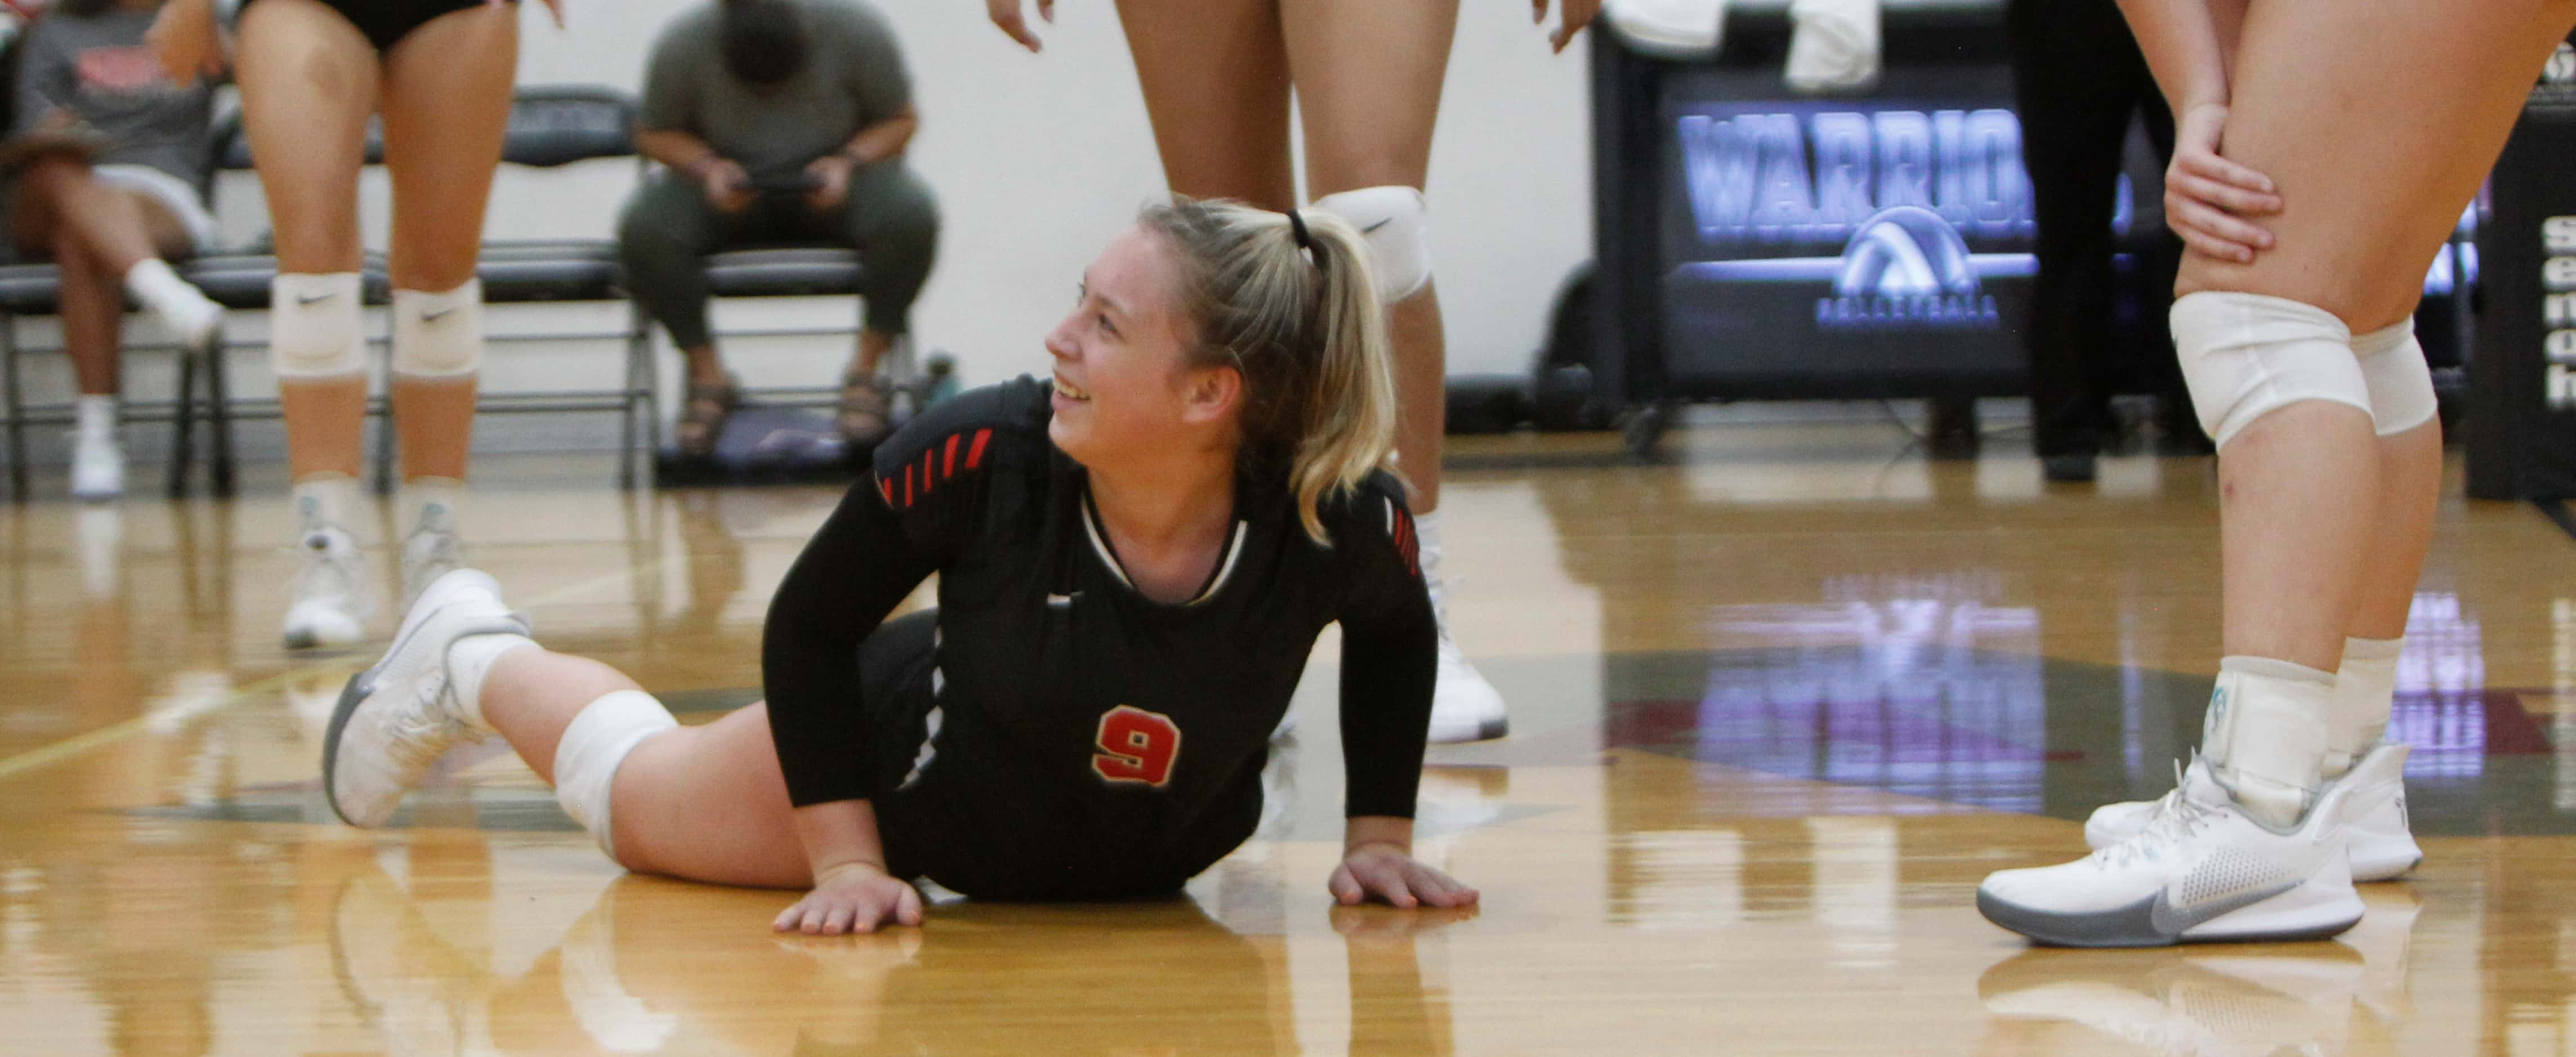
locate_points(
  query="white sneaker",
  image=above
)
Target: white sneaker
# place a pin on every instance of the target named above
(429, 552)
(98, 467)
(396, 719)
(330, 594)
(2383, 848)
(1464, 707)
(192, 318)
(2201, 870)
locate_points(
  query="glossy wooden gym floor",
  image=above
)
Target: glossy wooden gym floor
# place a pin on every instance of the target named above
(1778, 704)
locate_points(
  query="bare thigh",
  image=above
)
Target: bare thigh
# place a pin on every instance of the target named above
(446, 105)
(167, 232)
(708, 803)
(2378, 122)
(308, 83)
(1215, 75)
(1368, 75)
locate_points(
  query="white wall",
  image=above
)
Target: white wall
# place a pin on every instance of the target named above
(1037, 160)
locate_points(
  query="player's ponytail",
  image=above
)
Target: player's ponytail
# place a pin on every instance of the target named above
(1286, 299)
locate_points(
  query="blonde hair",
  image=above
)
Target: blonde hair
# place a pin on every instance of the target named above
(1304, 327)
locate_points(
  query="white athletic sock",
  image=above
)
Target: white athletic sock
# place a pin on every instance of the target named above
(152, 282)
(469, 662)
(1426, 536)
(96, 416)
(593, 746)
(2265, 735)
(176, 302)
(430, 496)
(2365, 688)
(325, 500)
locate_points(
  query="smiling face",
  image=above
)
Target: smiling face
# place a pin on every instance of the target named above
(1123, 382)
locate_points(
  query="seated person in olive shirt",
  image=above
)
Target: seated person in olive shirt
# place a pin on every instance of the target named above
(779, 121)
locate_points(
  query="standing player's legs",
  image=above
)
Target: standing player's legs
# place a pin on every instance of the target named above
(308, 83)
(2377, 125)
(1215, 75)
(446, 103)
(1368, 77)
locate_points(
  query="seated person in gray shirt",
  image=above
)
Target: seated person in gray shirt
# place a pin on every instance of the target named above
(106, 158)
(779, 121)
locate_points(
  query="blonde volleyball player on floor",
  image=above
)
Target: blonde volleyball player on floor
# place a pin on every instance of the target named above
(1217, 76)
(2325, 151)
(1133, 565)
(311, 73)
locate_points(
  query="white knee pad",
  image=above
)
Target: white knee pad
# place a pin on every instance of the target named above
(2245, 356)
(593, 746)
(313, 327)
(1397, 227)
(439, 335)
(2401, 383)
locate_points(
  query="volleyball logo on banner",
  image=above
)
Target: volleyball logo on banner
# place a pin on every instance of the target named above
(1900, 194)
(1907, 266)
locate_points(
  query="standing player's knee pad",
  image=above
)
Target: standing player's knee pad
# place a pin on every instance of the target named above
(439, 335)
(2245, 356)
(313, 327)
(2401, 383)
(1397, 227)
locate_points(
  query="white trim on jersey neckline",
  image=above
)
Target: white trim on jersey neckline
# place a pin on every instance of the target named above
(1100, 546)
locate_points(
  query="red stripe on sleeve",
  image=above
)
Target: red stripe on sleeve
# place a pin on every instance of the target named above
(928, 478)
(886, 488)
(907, 484)
(975, 455)
(949, 467)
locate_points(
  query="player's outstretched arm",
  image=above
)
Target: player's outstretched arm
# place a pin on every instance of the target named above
(1378, 863)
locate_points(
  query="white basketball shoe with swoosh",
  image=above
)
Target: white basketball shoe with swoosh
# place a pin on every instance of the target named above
(2382, 846)
(2201, 870)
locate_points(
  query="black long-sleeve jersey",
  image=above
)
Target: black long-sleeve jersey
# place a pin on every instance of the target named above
(1082, 740)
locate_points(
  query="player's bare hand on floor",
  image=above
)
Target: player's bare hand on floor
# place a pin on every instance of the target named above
(1392, 875)
(859, 897)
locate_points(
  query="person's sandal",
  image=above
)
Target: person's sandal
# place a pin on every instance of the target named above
(702, 417)
(865, 411)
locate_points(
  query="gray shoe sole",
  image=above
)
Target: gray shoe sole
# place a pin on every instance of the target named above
(2134, 925)
(359, 687)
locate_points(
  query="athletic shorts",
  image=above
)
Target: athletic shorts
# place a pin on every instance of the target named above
(387, 22)
(171, 192)
(895, 693)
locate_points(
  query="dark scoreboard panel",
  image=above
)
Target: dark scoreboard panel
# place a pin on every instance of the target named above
(1754, 243)
(2522, 415)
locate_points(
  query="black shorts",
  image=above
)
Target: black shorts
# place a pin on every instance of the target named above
(895, 665)
(387, 22)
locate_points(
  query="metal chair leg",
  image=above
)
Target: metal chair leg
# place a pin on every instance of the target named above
(386, 436)
(629, 401)
(219, 421)
(649, 380)
(17, 409)
(183, 427)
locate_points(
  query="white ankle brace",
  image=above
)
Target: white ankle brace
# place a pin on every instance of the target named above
(2265, 735)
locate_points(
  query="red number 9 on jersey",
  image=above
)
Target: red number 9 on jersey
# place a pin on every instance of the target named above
(1136, 746)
